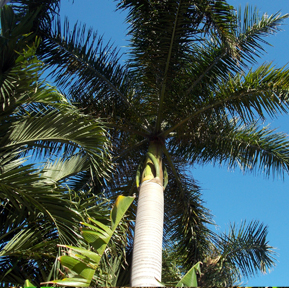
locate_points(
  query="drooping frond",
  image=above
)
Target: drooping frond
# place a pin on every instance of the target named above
(28, 239)
(241, 252)
(259, 148)
(90, 73)
(93, 66)
(187, 220)
(23, 188)
(61, 169)
(56, 132)
(264, 90)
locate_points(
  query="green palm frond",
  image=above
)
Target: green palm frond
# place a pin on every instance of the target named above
(57, 132)
(94, 78)
(61, 169)
(259, 148)
(263, 92)
(250, 147)
(22, 88)
(27, 245)
(36, 116)
(173, 270)
(187, 221)
(88, 57)
(81, 262)
(251, 30)
(22, 187)
(38, 253)
(36, 210)
(11, 61)
(248, 248)
(243, 251)
(162, 38)
(45, 11)
(163, 31)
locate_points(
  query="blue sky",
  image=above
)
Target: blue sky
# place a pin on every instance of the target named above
(230, 195)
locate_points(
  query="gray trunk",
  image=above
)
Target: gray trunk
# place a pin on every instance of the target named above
(147, 250)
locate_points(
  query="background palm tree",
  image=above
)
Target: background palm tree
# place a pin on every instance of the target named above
(184, 98)
(231, 257)
(37, 210)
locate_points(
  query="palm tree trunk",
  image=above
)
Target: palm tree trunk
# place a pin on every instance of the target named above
(147, 249)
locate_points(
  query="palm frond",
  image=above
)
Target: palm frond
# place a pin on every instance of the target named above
(251, 147)
(162, 34)
(186, 224)
(48, 133)
(36, 210)
(252, 29)
(186, 219)
(61, 169)
(29, 239)
(45, 11)
(163, 31)
(241, 252)
(261, 92)
(94, 78)
(247, 248)
(93, 66)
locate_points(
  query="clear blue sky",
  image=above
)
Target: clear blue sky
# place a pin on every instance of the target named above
(230, 195)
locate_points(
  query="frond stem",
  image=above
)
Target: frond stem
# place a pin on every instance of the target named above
(171, 164)
(163, 90)
(204, 73)
(214, 105)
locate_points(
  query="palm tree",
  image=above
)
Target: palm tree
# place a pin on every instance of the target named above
(38, 122)
(184, 97)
